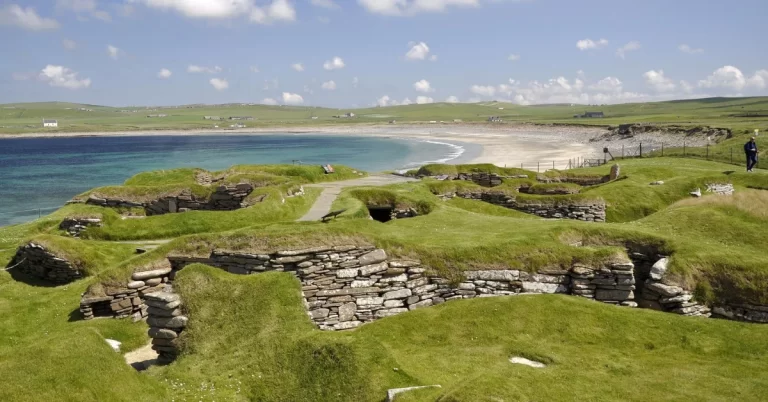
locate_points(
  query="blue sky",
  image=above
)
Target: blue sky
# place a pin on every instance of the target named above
(356, 53)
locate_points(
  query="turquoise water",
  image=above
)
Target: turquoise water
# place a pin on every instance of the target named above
(38, 175)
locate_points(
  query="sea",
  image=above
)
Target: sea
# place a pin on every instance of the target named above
(38, 175)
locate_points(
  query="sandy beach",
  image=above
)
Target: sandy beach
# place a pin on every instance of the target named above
(510, 145)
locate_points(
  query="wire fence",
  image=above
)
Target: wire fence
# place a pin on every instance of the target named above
(732, 155)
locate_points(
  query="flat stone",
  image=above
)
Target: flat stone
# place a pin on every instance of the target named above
(347, 311)
(392, 393)
(161, 312)
(371, 269)
(346, 292)
(347, 325)
(292, 259)
(397, 294)
(168, 322)
(370, 301)
(612, 294)
(398, 278)
(154, 281)
(507, 275)
(136, 284)
(537, 287)
(389, 312)
(165, 306)
(659, 269)
(312, 250)
(403, 264)
(394, 303)
(363, 284)
(164, 297)
(347, 273)
(424, 289)
(162, 333)
(155, 273)
(664, 290)
(526, 362)
(374, 257)
(319, 313)
(423, 303)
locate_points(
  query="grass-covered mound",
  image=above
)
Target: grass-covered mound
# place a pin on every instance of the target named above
(453, 170)
(154, 185)
(250, 339)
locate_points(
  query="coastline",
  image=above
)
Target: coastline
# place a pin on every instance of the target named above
(503, 145)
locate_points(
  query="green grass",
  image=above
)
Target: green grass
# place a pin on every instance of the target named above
(265, 348)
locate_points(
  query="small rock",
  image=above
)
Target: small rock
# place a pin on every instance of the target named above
(657, 183)
(696, 193)
(527, 362)
(114, 344)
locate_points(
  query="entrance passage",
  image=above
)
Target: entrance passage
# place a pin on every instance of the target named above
(381, 213)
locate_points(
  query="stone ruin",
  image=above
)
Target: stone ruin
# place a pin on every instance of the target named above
(75, 226)
(590, 211)
(36, 261)
(127, 300)
(166, 321)
(224, 198)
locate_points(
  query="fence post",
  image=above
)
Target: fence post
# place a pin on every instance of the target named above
(521, 165)
(641, 149)
(39, 213)
(622, 151)
(553, 165)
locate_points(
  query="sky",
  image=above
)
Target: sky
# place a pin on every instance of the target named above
(360, 53)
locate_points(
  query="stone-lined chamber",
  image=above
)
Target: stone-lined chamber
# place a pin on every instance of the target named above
(36, 261)
(583, 210)
(166, 322)
(127, 300)
(224, 198)
(75, 226)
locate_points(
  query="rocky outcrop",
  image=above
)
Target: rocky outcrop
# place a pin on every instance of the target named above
(166, 322)
(75, 226)
(720, 188)
(591, 211)
(629, 130)
(36, 261)
(224, 198)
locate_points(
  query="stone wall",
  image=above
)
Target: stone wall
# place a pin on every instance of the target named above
(36, 261)
(75, 226)
(658, 295)
(224, 198)
(128, 300)
(166, 322)
(591, 211)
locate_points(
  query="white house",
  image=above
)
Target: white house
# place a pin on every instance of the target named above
(50, 123)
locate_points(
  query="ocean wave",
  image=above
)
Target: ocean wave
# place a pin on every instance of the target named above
(456, 152)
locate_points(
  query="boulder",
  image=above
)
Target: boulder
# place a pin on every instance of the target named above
(659, 269)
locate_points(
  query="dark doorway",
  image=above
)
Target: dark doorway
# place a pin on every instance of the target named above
(381, 213)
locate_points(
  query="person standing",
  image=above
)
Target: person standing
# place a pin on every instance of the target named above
(750, 148)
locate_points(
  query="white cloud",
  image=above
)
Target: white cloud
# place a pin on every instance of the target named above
(335, 64)
(60, 76)
(202, 69)
(686, 87)
(629, 47)
(587, 44)
(269, 101)
(690, 50)
(277, 10)
(164, 73)
(423, 86)
(488, 90)
(219, 83)
(308, 90)
(657, 81)
(406, 102)
(25, 18)
(82, 7)
(254, 69)
(513, 57)
(292, 99)
(324, 3)
(422, 100)
(419, 51)
(298, 67)
(727, 77)
(759, 80)
(69, 44)
(355, 82)
(607, 84)
(384, 101)
(113, 52)
(329, 85)
(411, 7)
(452, 99)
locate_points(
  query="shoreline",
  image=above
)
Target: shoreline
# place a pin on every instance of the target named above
(524, 145)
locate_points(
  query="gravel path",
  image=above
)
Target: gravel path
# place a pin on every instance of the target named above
(322, 205)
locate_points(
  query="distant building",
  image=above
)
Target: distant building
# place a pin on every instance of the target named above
(495, 119)
(211, 118)
(590, 115)
(237, 125)
(240, 118)
(157, 115)
(50, 123)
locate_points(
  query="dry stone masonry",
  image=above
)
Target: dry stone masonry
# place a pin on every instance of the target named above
(591, 211)
(75, 226)
(224, 198)
(36, 261)
(166, 321)
(720, 189)
(128, 300)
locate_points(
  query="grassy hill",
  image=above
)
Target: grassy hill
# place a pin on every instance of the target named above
(249, 337)
(736, 113)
